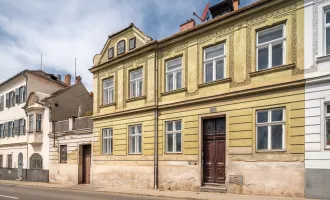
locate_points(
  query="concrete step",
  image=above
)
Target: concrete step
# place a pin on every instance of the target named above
(214, 187)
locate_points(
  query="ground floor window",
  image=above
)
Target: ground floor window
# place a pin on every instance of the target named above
(63, 154)
(173, 137)
(327, 119)
(107, 138)
(10, 161)
(36, 161)
(1, 161)
(135, 139)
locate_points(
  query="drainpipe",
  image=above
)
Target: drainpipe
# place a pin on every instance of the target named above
(156, 122)
(27, 136)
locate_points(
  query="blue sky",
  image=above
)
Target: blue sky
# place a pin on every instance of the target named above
(64, 29)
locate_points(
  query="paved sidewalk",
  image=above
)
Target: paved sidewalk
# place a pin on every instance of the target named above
(145, 192)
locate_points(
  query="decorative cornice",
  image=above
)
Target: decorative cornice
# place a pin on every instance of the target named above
(125, 112)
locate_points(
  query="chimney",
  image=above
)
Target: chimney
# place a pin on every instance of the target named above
(187, 25)
(78, 79)
(67, 80)
(91, 94)
(236, 4)
(58, 77)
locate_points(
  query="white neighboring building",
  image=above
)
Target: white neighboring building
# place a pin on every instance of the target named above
(16, 144)
(317, 120)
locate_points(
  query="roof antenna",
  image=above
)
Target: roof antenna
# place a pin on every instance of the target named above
(75, 68)
(41, 62)
(205, 15)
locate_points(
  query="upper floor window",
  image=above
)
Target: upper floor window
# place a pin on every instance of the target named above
(21, 95)
(21, 127)
(173, 137)
(110, 53)
(135, 139)
(107, 141)
(327, 119)
(10, 129)
(214, 63)
(270, 128)
(174, 74)
(2, 103)
(38, 122)
(121, 47)
(271, 47)
(132, 43)
(108, 91)
(63, 154)
(10, 99)
(31, 122)
(327, 32)
(2, 130)
(136, 82)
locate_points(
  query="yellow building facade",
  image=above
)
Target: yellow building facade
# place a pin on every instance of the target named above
(218, 106)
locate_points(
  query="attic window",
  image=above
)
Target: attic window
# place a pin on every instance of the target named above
(132, 43)
(110, 53)
(121, 47)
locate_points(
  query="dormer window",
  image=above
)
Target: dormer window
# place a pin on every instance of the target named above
(121, 47)
(110, 53)
(132, 43)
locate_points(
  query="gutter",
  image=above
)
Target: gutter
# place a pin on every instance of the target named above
(156, 123)
(27, 136)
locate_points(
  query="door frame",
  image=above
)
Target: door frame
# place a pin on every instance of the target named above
(81, 161)
(200, 133)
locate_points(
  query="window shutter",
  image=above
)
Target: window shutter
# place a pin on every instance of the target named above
(24, 93)
(17, 95)
(24, 126)
(7, 100)
(6, 129)
(16, 127)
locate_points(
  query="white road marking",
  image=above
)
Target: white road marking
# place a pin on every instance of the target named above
(8, 197)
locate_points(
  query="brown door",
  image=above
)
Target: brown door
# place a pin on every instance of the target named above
(86, 164)
(214, 150)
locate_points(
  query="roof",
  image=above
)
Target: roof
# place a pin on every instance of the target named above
(63, 90)
(130, 26)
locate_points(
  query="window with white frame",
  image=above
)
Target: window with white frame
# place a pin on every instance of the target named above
(22, 127)
(108, 91)
(107, 141)
(136, 82)
(214, 63)
(38, 122)
(173, 137)
(2, 130)
(10, 129)
(174, 74)
(271, 47)
(31, 122)
(135, 139)
(327, 32)
(270, 129)
(327, 127)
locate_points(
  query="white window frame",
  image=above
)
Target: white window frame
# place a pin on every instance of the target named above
(326, 25)
(214, 60)
(110, 91)
(31, 122)
(21, 125)
(269, 45)
(138, 93)
(174, 132)
(136, 135)
(107, 136)
(327, 115)
(269, 123)
(174, 72)
(11, 129)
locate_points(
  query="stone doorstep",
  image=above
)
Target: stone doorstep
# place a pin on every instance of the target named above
(214, 188)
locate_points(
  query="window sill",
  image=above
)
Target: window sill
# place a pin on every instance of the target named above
(271, 151)
(170, 153)
(134, 154)
(135, 98)
(173, 91)
(225, 80)
(108, 105)
(321, 59)
(272, 69)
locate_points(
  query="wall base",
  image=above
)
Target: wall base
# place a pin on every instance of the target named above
(317, 183)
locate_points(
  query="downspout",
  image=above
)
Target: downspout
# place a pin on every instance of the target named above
(156, 122)
(27, 136)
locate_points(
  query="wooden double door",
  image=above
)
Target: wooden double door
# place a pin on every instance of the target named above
(214, 150)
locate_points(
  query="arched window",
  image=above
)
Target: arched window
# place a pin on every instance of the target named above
(36, 161)
(121, 47)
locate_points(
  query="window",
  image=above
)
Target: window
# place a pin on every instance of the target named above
(327, 32)
(31, 123)
(327, 132)
(135, 139)
(63, 153)
(21, 96)
(214, 63)
(108, 91)
(173, 137)
(271, 47)
(36, 161)
(2, 130)
(2, 103)
(132, 43)
(10, 129)
(110, 53)
(38, 122)
(174, 74)
(21, 127)
(9, 161)
(107, 138)
(11, 99)
(121, 47)
(270, 128)
(1, 161)
(136, 82)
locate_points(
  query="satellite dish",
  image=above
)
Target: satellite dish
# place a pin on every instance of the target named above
(205, 13)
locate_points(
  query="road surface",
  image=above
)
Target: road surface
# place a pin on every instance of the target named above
(12, 192)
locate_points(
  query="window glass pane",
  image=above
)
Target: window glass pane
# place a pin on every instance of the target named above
(219, 69)
(277, 57)
(327, 20)
(140, 88)
(178, 80)
(214, 51)
(169, 126)
(121, 46)
(174, 64)
(108, 83)
(105, 97)
(263, 58)
(262, 142)
(178, 125)
(328, 131)
(262, 116)
(139, 143)
(139, 130)
(277, 136)
(133, 89)
(136, 74)
(170, 82)
(328, 109)
(132, 144)
(328, 41)
(271, 34)
(208, 71)
(178, 142)
(110, 53)
(170, 142)
(277, 115)
(132, 43)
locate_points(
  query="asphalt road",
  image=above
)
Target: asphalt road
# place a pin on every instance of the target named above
(11, 192)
